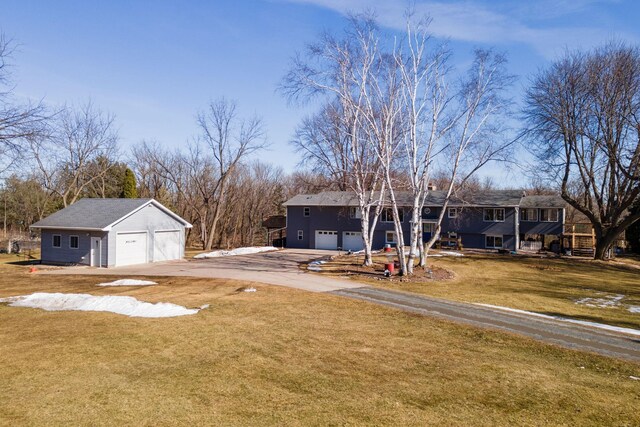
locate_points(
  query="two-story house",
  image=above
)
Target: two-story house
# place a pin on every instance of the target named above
(498, 219)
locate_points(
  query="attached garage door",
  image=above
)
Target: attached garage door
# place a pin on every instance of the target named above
(166, 245)
(131, 248)
(352, 241)
(326, 239)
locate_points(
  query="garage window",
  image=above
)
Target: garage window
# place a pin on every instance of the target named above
(73, 242)
(306, 211)
(300, 234)
(57, 239)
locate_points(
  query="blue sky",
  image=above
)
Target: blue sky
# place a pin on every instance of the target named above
(154, 64)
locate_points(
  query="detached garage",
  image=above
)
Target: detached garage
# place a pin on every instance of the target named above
(112, 233)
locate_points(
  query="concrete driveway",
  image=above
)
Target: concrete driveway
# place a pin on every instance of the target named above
(274, 268)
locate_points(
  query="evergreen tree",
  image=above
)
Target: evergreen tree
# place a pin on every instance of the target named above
(129, 190)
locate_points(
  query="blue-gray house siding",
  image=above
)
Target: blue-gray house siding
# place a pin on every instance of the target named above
(468, 224)
(65, 254)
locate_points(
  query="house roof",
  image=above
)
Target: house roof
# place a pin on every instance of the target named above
(275, 221)
(506, 198)
(542, 202)
(98, 214)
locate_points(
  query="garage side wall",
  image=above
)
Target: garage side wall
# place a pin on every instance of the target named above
(67, 255)
(148, 219)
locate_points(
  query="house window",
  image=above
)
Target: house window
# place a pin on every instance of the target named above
(530, 215)
(300, 234)
(493, 242)
(549, 215)
(73, 242)
(453, 212)
(354, 212)
(387, 215)
(306, 211)
(57, 240)
(390, 237)
(494, 215)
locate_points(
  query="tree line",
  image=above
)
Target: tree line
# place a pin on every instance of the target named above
(395, 114)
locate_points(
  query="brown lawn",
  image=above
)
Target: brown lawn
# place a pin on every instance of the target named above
(285, 357)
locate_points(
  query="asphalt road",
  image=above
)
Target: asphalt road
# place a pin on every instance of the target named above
(550, 331)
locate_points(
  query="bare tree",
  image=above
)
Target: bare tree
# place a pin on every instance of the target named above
(17, 122)
(339, 70)
(583, 116)
(229, 140)
(69, 159)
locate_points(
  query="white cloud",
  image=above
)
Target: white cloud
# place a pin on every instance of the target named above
(474, 22)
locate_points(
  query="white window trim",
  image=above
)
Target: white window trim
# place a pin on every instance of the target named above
(400, 212)
(306, 211)
(494, 241)
(386, 234)
(549, 209)
(530, 220)
(53, 240)
(494, 220)
(77, 237)
(300, 234)
(455, 212)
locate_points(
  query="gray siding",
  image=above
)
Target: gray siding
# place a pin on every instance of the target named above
(149, 219)
(538, 227)
(65, 254)
(332, 218)
(469, 225)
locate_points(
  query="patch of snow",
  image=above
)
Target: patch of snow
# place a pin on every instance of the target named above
(634, 308)
(237, 251)
(566, 319)
(450, 253)
(250, 290)
(205, 306)
(128, 282)
(608, 301)
(127, 306)
(634, 378)
(314, 268)
(317, 262)
(315, 265)
(361, 252)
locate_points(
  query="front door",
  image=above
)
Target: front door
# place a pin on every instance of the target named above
(96, 251)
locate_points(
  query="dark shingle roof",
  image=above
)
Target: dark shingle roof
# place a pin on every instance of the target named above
(404, 198)
(90, 214)
(542, 202)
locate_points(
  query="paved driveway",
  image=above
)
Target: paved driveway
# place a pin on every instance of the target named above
(275, 268)
(283, 268)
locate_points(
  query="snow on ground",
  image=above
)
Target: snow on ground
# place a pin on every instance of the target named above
(250, 290)
(315, 265)
(607, 301)
(566, 319)
(128, 282)
(634, 308)
(237, 251)
(446, 253)
(128, 306)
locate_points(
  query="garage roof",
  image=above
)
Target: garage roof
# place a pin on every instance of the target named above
(98, 214)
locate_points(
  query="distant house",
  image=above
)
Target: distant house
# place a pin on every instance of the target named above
(112, 233)
(500, 219)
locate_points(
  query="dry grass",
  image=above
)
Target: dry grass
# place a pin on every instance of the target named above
(285, 357)
(545, 285)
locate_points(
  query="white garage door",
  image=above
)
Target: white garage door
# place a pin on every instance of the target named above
(326, 239)
(166, 245)
(131, 248)
(352, 241)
